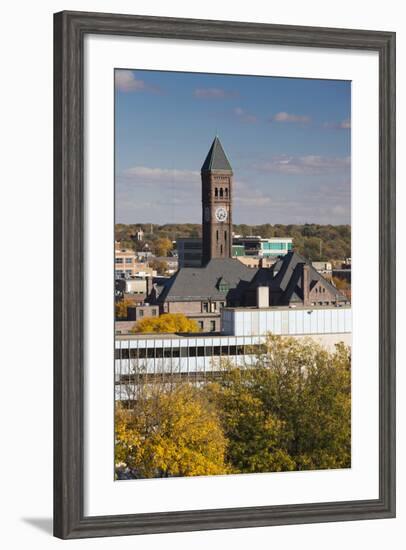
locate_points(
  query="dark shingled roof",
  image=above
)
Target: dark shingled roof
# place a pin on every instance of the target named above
(194, 283)
(230, 280)
(285, 278)
(216, 158)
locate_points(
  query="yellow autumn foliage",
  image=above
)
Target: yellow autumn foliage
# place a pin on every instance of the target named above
(170, 433)
(166, 323)
(121, 307)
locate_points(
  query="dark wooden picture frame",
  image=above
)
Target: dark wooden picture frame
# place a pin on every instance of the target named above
(70, 29)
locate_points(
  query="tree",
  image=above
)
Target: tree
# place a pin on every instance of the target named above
(163, 246)
(169, 433)
(166, 323)
(335, 240)
(341, 284)
(121, 308)
(160, 266)
(290, 410)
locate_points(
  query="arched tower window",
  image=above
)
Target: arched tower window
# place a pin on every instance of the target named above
(217, 235)
(221, 192)
(216, 192)
(226, 192)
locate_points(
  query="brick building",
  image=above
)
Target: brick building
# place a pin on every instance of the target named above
(222, 281)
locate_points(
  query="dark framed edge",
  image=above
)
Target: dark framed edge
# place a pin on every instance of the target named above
(69, 31)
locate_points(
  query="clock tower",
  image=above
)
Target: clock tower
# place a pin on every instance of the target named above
(217, 191)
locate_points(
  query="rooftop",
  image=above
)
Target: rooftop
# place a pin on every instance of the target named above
(216, 158)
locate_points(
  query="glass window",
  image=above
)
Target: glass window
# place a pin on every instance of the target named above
(205, 307)
(167, 353)
(224, 287)
(119, 261)
(212, 326)
(183, 352)
(153, 312)
(141, 313)
(142, 353)
(175, 352)
(216, 351)
(125, 353)
(150, 353)
(128, 260)
(192, 352)
(200, 351)
(224, 350)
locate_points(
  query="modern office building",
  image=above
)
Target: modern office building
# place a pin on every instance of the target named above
(244, 331)
(258, 246)
(249, 250)
(189, 252)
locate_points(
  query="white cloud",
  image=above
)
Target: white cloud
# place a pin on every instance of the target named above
(244, 116)
(305, 165)
(170, 175)
(213, 93)
(126, 81)
(290, 117)
(343, 125)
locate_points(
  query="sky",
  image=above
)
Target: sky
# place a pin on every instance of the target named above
(287, 140)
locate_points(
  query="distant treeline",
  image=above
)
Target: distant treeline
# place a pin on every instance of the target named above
(314, 241)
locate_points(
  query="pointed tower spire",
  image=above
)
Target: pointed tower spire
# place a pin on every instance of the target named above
(216, 159)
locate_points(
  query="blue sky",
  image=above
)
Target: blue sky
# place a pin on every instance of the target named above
(288, 141)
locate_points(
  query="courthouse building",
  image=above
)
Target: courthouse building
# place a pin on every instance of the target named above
(202, 291)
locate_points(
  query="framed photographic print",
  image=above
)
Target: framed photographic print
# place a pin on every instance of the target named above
(224, 275)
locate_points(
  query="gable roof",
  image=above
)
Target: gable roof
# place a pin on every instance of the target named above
(197, 283)
(284, 277)
(216, 158)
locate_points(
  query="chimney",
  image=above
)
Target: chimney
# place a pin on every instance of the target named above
(306, 284)
(262, 296)
(149, 281)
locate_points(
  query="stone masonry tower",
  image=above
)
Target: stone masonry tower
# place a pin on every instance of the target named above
(217, 192)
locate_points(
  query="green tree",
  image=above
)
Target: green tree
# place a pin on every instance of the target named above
(291, 410)
(170, 433)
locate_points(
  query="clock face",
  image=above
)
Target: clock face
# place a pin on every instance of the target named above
(221, 214)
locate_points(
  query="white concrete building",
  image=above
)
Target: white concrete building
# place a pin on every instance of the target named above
(243, 331)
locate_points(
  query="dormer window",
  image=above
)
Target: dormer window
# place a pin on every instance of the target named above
(223, 286)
